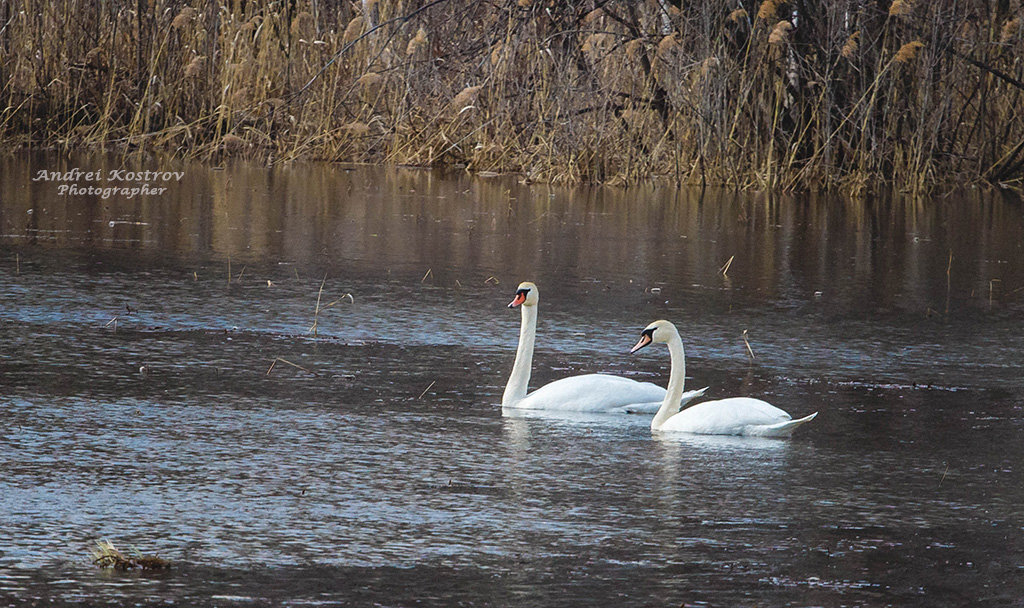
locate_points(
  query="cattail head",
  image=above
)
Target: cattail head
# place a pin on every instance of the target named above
(738, 16)
(304, 26)
(417, 42)
(184, 18)
(707, 67)
(196, 67)
(369, 79)
(95, 57)
(633, 48)
(908, 51)
(667, 45)
(899, 8)
(780, 33)
(1011, 29)
(852, 43)
(353, 30)
(356, 128)
(466, 97)
(768, 9)
(231, 141)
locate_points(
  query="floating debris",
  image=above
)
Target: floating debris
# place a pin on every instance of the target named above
(106, 555)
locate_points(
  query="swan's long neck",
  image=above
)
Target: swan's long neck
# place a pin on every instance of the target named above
(676, 383)
(520, 376)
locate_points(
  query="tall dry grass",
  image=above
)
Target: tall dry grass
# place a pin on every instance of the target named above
(773, 95)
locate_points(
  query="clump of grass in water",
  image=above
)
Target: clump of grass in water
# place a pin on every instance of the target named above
(106, 555)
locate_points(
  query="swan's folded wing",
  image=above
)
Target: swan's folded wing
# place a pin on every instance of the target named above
(592, 393)
(653, 407)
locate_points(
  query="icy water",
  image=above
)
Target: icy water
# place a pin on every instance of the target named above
(150, 400)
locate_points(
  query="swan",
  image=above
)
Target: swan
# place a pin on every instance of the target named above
(587, 393)
(733, 416)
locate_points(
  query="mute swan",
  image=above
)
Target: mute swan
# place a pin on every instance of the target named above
(587, 393)
(733, 416)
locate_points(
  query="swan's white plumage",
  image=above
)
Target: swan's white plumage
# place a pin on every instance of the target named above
(599, 393)
(733, 416)
(592, 393)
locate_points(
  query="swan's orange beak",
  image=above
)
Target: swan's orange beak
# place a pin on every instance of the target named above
(519, 299)
(645, 339)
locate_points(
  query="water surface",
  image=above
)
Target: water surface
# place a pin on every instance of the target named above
(372, 464)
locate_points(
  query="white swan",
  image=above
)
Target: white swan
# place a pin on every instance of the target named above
(587, 393)
(733, 416)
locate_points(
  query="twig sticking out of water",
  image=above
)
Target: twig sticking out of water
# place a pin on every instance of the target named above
(725, 269)
(17, 264)
(430, 386)
(429, 273)
(105, 555)
(114, 321)
(316, 312)
(491, 280)
(747, 342)
(943, 478)
(239, 277)
(287, 362)
(949, 267)
(991, 286)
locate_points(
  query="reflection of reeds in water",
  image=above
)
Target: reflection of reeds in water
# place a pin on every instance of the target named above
(105, 555)
(780, 97)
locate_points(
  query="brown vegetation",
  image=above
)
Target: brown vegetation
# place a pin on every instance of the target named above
(806, 94)
(105, 555)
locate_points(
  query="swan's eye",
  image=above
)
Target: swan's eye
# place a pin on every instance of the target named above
(523, 292)
(649, 332)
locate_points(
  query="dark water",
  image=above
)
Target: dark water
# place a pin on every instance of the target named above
(138, 407)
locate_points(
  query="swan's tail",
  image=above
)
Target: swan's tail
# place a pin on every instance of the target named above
(781, 429)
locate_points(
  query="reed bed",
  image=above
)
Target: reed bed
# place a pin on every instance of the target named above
(769, 95)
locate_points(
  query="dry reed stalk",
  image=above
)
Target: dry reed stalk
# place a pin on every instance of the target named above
(430, 386)
(725, 268)
(496, 51)
(316, 311)
(287, 362)
(750, 351)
